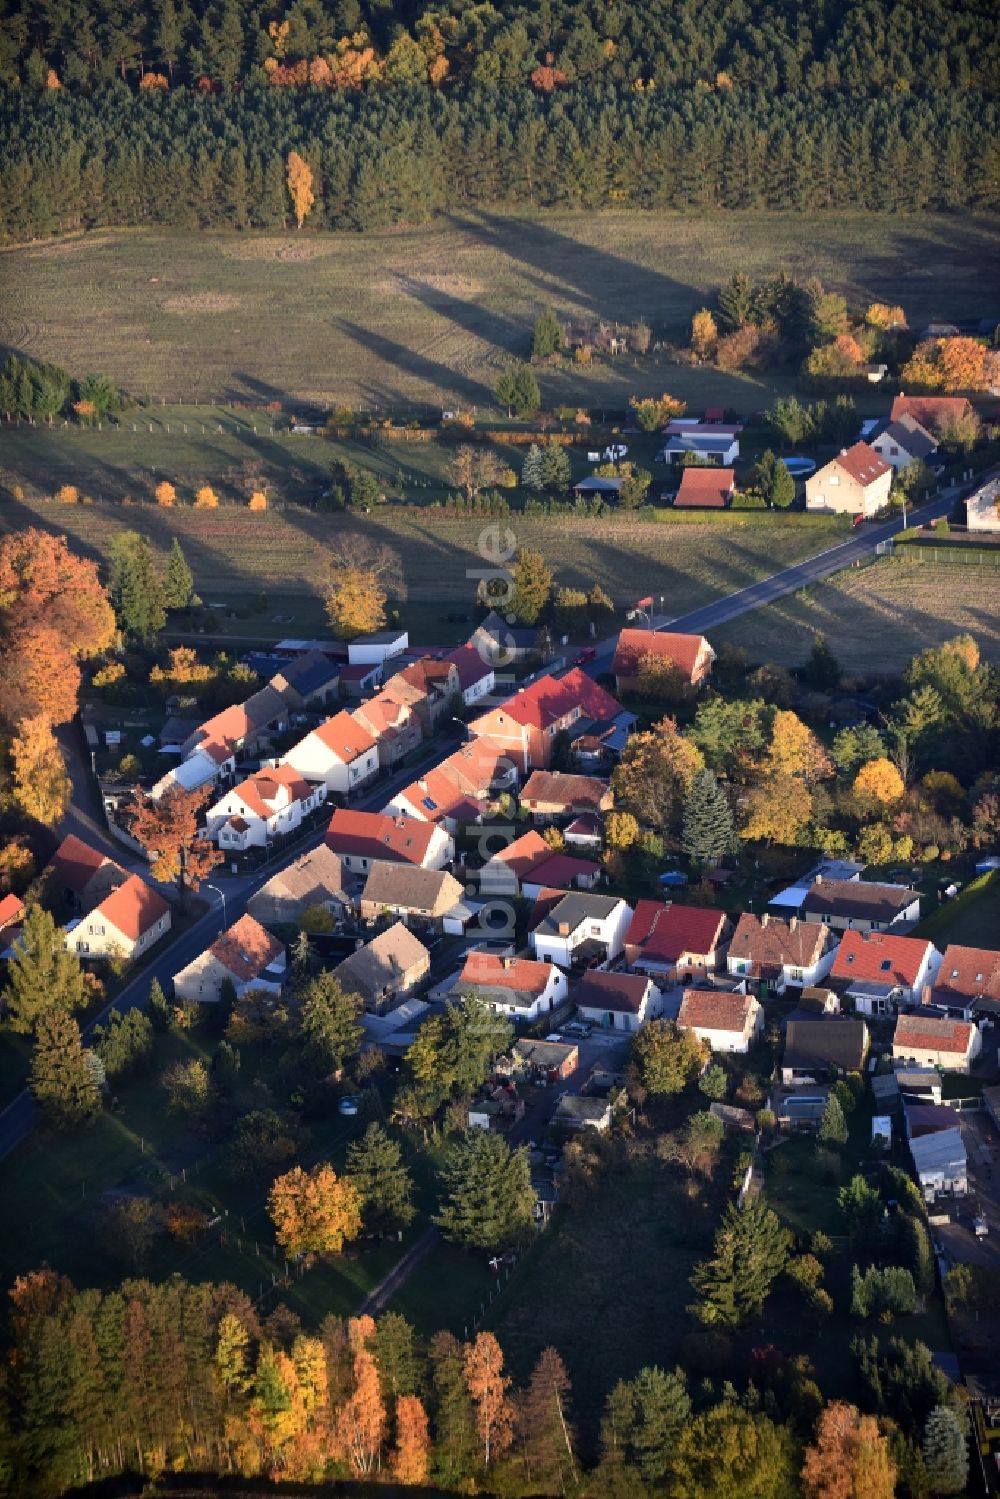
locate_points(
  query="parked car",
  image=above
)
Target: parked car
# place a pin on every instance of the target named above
(588, 654)
(576, 1030)
(614, 452)
(857, 520)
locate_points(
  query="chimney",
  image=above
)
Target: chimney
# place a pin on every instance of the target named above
(818, 880)
(563, 928)
(764, 920)
(506, 961)
(422, 784)
(793, 922)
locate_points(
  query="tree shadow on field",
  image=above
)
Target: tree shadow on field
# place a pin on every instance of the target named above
(471, 316)
(452, 384)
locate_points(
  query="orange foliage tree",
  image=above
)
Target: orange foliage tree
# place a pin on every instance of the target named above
(41, 580)
(167, 828)
(154, 82)
(950, 364)
(206, 498)
(849, 1458)
(67, 494)
(258, 500)
(41, 785)
(361, 1419)
(300, 186)
(411, 1458)
(38, 678)
(488, 1388)
(165, 492)
(314, 1212)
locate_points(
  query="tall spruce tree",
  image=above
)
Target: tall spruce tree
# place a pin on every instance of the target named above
(533, 469)
(750, 1252)
(547, 336)
(487, 1196)
(62, 1081)
(736, 303)
(375, 1167)
(134, 588)
(178, 583)
(707, 831)
(832, 1125)
(946, 1452)
(42, 976)
(555, 468)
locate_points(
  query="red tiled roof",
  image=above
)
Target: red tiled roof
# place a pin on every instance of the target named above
(246, 949)
(668, 932)
(928, 410)
(133, 908)
(879, 958)
(227, 727)
(587, 826)
(470, 665)
(770, 942)
(714, 1010)
(523, 974)
(623, 992)
(372, 835)
(75, 863)
(972, 972)
(862, 463)
(524, 853)
(258, 792)
(547, 701)
(560, 871)
(929, 1033)
(705, 487)
(385, 715)
(345, 737)
(682, 650)
(11, 909)
(359, 671)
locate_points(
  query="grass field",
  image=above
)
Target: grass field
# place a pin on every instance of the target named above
(425, 315)
(972, 919)
(235, 554)
(876, 618)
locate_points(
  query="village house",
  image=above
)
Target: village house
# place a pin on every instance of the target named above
(428, 687)
(938, 1151)
(584, 833)
(340, 754)
(691, 655)
(705, 488)
(504, 871)
(476, 677)
(776, 953)
(126, 923)
(268, 805)
(902, 442)
(522, 988)
(245, 955)
(928, 1041)
(603, 744)
(360, 838)
(386, 970)
(617, 1001)
(968, 981)
(574, 1111)
(713, 443)
(982, 509)
(209, 763)
(426, 899)
(83, 874)
(856, 482)
(527, 724)
(245, 728)
(860, 905)
(12, 912)
(548, 1061)
(550, 795)
(930, 411)
(816, 1049)
(460, 790)
(674, 942)
(393, 725)
(598, 487)
(377, 648)
(360, 677)
(560, 872)
(882, 972)
(307, 681)
(502, 645)
(729, 1022)
(580, 927)
(313, 880)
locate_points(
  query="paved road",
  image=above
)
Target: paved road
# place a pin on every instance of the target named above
(20, 1116)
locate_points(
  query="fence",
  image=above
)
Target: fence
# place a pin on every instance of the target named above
(961, 554)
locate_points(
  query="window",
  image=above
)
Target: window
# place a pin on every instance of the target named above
(834, 478)
(595, 930)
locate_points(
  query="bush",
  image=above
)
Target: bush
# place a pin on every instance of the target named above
(884, 1293)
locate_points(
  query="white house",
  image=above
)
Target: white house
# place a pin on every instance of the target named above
(713, 442)
(882, 972)
(339, 753)
(617, 1001)
(476, 675)
(361, 838)
(522, 988)
(932, 1041)
(728, 1021)
(580, 927)
(856, 482)
(902, 442)
(982, 509)
(266, 805)
(768, 950)
(205, 766)
(374, 649)
(246, 955)
(128, 921)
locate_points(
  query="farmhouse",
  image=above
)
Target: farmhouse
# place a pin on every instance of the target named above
(313, 879)
(690, 654)
(126, 923)
(387, 969)
(83, 873)
(579, 927)
(549, 795)
(728, 1022)
(928, 1041)
(362, 837)
(882, 972)
(519, 987)
(307, 680)
(526, 725)
(617, 1001)
(930, 411)
(902, 442)
(705, 488)
(856, 482)
(502, 874)
(476, 677)
(246, 955)
(423, 898)
(859, 905)
(776, 953)
(675, 942)
(339, 753)
(500, 644)
(265, 806)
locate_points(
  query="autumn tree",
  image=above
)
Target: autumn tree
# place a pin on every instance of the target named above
(41, 785)
(43, 975)
(62, 1081)
(949, 364)
(474, 469)
(776, 809)
(727, 1452)
(355, 600)
(299, 176)
(704, 334)
(879, 781)
(206, 498)
(314, 1212)
(165, 494)
(665, 1060)
(168, 829)
(848, 1458)
(488, 1388)
(655, 774)
(532, 579)
(544, 1422)
(361, 1419)
(411, 1456)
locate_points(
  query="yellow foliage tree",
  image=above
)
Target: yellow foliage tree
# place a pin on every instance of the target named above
(655, 774)
(258, 500)
(704, 334)
(154, 82)
(355, 601)
(67, 494)
(777, 809)
(361, 1419)
(314, 1212)
(52, 79)
(849, 1458)
(165, 493)
(488, 1385)
(300, 186)
(206, 498)
(795, 751)
(41, 785)
(879, 781)
(879, 315)
(621, 830)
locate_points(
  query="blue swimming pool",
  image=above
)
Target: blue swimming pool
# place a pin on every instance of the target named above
(800, 468)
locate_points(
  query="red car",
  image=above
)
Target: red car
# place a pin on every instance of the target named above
(857, 520)
(582, 657)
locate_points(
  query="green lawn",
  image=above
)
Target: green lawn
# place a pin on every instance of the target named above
(972, 919)
(424, 315)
